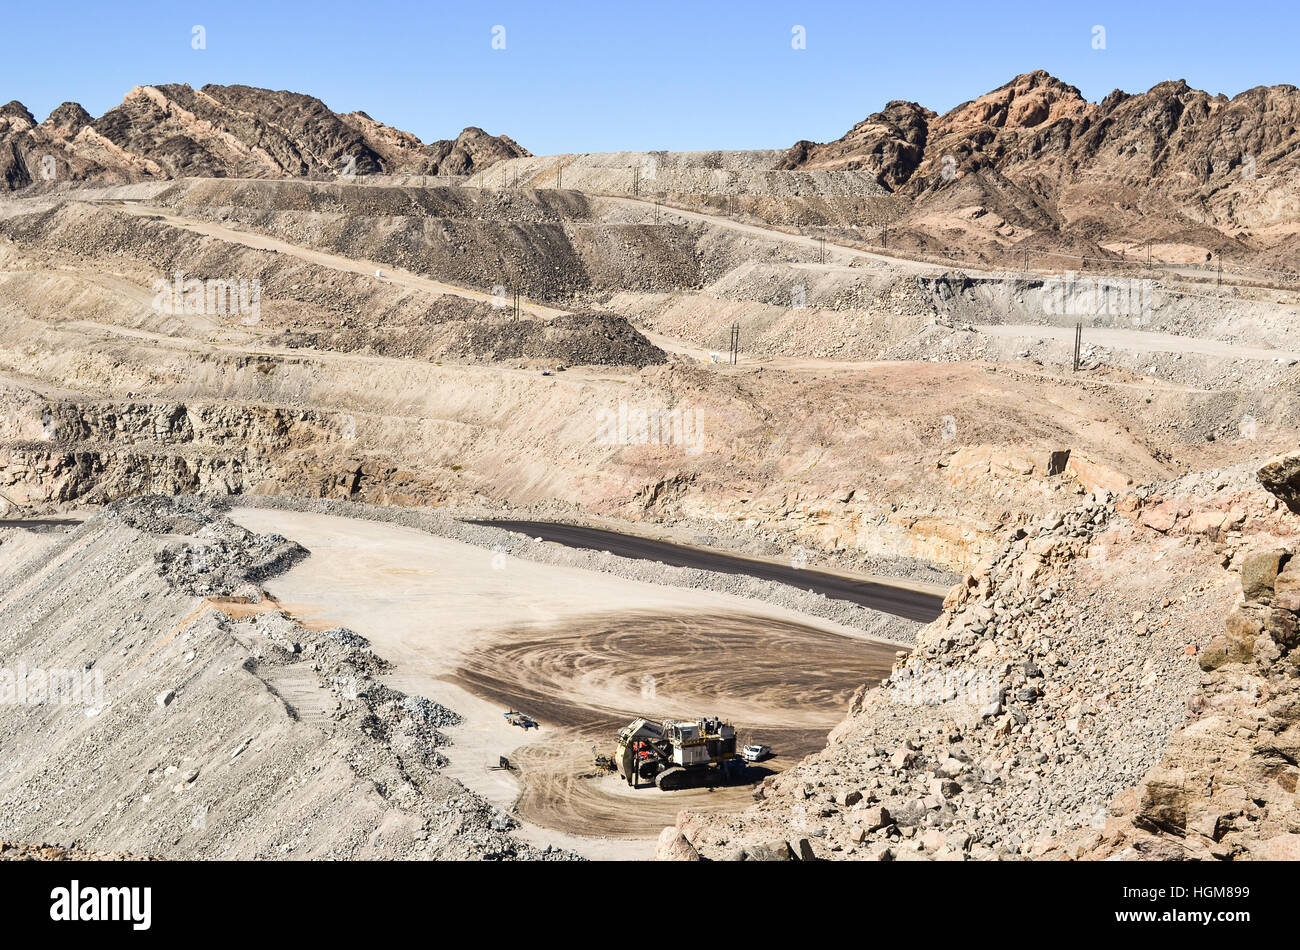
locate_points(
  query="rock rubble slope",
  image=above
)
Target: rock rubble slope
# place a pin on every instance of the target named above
(1119, 682)
(186, 716)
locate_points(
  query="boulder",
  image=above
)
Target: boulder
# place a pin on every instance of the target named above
(1163, 799)
(1160, 517)
(944, 788)
(1281, 476)
(902, 758)
(1286, 587)
(1096, 477)
(873, 818)
(674, 846)
(1286, 744)
(1244, 624)
(1259, 571)
(1283, 627)
(933, 840)
(1207, 523)
(802, 850)
(771, 851)
(1236, 645)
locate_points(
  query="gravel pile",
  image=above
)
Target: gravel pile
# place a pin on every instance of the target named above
(223, 558)
(573, 339)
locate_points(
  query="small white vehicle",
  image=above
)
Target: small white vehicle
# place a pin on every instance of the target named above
(755, 753)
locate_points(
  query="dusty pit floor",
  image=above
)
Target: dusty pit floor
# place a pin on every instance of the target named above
(580, 651)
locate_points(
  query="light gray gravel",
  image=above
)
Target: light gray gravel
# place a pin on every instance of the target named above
(873, 623)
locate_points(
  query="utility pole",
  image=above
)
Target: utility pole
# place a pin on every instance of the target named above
(1148, 253)
(516, 305)
(1078, 340)
(559, 176)
(821, 250)
(1026, 268)
(636, 179)
(735, 343)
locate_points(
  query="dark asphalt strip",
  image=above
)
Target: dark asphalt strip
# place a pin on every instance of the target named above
(36, 524)
(899, 601)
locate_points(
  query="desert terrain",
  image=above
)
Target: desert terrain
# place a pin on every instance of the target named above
(979, 429)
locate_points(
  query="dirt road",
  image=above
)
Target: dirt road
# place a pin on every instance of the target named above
(1140, 341)
(921, 606)
(334, 261)
(833, 250)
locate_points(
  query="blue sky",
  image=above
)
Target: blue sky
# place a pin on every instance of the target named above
(622, 74)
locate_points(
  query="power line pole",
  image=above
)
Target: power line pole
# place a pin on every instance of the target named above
(735, 343)
(1078, 340)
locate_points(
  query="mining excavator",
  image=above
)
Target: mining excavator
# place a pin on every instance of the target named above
(675, 753)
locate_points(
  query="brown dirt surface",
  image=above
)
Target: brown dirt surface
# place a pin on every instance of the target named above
(785, 683)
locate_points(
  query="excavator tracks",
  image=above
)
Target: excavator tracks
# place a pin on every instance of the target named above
(670, 779)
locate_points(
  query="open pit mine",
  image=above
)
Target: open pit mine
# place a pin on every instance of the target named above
(928, 494)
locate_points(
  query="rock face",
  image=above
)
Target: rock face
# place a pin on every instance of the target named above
(63, 147)
(890, 144)
(1038, 155)
(171, 131)
(1226, 787)
(471, 151)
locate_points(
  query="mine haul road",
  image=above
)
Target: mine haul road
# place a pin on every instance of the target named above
(919, 605)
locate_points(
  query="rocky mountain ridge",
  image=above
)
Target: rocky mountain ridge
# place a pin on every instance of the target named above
(1171, 164)
(173, 131)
